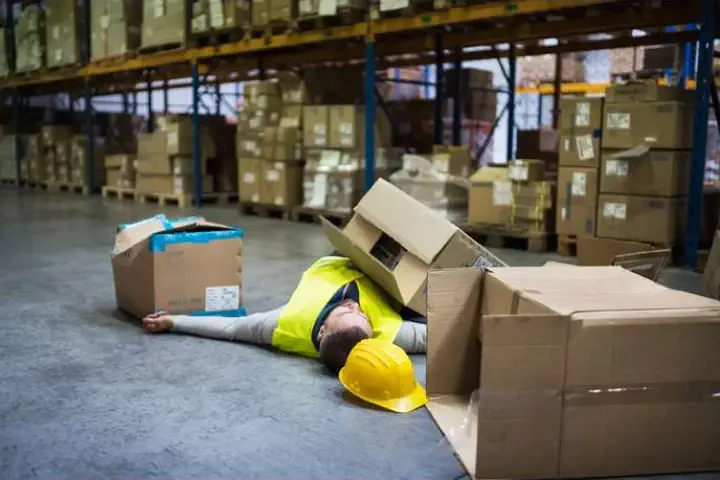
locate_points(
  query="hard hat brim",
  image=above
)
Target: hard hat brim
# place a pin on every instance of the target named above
(416, 399)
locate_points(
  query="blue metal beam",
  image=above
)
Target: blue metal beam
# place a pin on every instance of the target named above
(90, 132)
(151, 113)
(512, 73)
(704, 78)
(457, 99)
(197, 151)
(439, 91)
(369, 95)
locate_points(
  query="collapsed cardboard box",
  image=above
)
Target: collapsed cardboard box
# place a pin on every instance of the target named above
(183, 266)
(396, 240)
(580, 372)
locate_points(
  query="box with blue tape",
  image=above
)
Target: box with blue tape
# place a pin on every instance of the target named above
(182, 266)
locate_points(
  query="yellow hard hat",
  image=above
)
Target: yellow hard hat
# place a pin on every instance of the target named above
(381, 373)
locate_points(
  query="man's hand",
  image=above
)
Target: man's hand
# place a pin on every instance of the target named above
(157, 322)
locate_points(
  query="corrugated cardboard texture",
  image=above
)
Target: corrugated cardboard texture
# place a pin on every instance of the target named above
(659, 125)
(577, 197)
(645, 219)
(661, 173)
(595, 251)
(647, 91)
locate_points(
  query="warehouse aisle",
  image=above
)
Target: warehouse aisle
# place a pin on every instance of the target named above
(84, 393)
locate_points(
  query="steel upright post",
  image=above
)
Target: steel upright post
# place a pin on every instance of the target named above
(369, 95)
(197, 151)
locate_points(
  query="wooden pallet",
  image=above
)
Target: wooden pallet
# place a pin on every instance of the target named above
(499, 236)
(277, 27)
(68, 187)
(32, 184)
(567, 245)
(312, 215)
(109, 191)
(414, 8)
(344, 16)
(112, 59)
(8, 181)
(162, 48)
(184, 200)
(265, 210)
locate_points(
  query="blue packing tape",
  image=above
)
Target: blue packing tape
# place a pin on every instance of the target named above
(159, 241)
(597, 133)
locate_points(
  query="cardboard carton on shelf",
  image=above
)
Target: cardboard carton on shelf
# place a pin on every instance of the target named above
(577, 199)
(250, 179)
(281, 183)
(541, 347)
(163, 23)
(641, 171)
(63, 30)
(30, 41)
(115, 28)
(184, 266)
(490, 197)
(120, 171)
(396, 240)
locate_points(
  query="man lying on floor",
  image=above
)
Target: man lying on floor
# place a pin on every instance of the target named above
(334, 307)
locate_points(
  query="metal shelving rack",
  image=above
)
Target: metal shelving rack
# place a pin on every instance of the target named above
(434, 37)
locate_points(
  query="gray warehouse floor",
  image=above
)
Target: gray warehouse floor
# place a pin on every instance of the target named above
(84, 393)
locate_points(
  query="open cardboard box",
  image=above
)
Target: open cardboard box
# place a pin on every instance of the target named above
(183, 266)
(647, 264)
(396, 240)
(581, 372)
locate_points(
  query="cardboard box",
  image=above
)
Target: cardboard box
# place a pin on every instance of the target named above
(281, 183)
(490, 197)
(641, 171)
(347, 127)
(595, 251)
(282, 10)
(52, 134)
(577, 199)
(171, 184)
(63, 29)
(115, 27)
(655, 220)
(452, 160)
(250, 179)
(177, 141)
(711, 276)
(163, 23)
(260, 12)
(396, 240)
(647, 91)
(580, 149)
(526, 170)
(581, 114)
(164, 165)
(578, 372)
(315, 129)
(185, 266)
(657, 125)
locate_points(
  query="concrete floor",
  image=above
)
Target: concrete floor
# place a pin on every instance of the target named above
(85, 394)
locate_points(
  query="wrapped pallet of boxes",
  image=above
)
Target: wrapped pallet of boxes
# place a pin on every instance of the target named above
(572, 372)
(273, 12)
(165, 163)
(434, 187)
(539, 69)
(580, 131)
(163, 23)
(219, 15)
(30, 39)
(54, 136)
(4, 66)
(63, 32)
(313, 9)
(645, 163)
(182, 266)
(33, 165)
(260, 113)
(8, 158)
(82, 171)
(115, 28)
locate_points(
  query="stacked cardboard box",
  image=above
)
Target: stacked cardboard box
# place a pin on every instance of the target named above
(52, 137)
(645, 163)
(580, 131)
(541, 68)
(30, 39)
(82, 172)
(165, 158)
(516, 197)
(335, 154)
(216, 15)
(8, 157)
(626, 60)
(120, 171)
(32, 165)
(163, 23)
(266, 12)
(115, 27)
(63, 32)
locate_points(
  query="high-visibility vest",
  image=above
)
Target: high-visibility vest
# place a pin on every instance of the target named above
(317, 286)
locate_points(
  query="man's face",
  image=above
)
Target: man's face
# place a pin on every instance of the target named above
(344, 316)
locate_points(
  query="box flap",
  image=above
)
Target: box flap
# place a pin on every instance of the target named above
(550, 263)
(457, 420)
(420, 230)
(131, 234)
(364, 261)
(647, 264)
(635, 152)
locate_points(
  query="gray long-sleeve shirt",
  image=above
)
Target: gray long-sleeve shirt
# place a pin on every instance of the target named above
(258, 328)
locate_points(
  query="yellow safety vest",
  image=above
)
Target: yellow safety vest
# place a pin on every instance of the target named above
(317, 286)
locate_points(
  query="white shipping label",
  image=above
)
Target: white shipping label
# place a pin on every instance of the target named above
(217, 17)
(255, 198)
(518, 173)
(582, 114)
(567, 144)
(326, 8)
(56, 32)
(387, 5)
(346, 134)
(272, 176)
(262, 102)
(218, 299)
(104, 22)
(579, 184)
(330, 158)
(255, 122)
(618, 121)
(250, 146)
(615, 210)
(305, 7)
(58, 54)
(249, 177)
(172, 140)
(585, 148)
(502, 193)
(617, 168)
(279, 200)
(563, 213)
(319, 190)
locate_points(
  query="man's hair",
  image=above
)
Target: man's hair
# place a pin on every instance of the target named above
(336, 347)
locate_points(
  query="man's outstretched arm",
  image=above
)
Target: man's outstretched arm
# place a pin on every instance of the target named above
(257, 328)
(412, 337)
